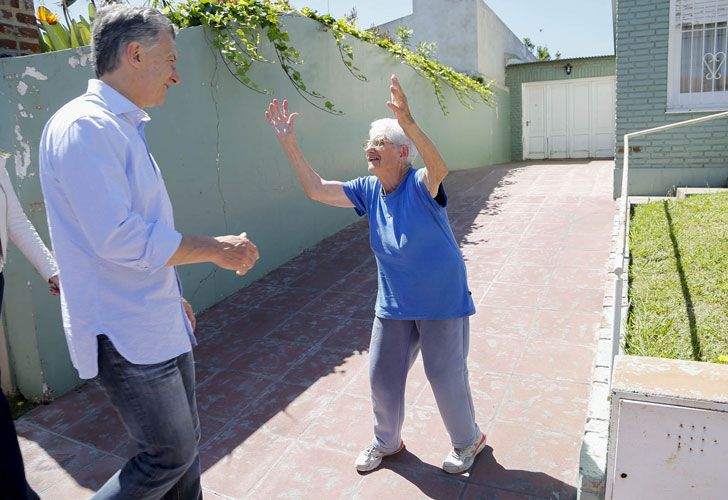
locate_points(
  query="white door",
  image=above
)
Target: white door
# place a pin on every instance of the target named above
(569, 119)
(603, 119)
(535, 108)
(557, 109)
(580, 121)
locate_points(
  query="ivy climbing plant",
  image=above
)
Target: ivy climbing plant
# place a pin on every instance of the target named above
(239, 26)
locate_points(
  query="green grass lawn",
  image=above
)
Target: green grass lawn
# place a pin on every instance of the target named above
(678, 277)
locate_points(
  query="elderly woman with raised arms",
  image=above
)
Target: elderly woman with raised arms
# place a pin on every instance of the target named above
(423, 302)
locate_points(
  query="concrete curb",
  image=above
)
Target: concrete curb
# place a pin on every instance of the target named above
(593, 456)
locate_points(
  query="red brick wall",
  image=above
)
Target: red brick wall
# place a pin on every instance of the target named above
(18, 34)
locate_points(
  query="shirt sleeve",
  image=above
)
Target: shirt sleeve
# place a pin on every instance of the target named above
(90, 165)
(440, 200)
(356, 190)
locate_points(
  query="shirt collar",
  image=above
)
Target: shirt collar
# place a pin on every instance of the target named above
(116, 102)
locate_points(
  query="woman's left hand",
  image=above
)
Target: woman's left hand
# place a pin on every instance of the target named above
(398, 103)
(190, 313)
(55, 287)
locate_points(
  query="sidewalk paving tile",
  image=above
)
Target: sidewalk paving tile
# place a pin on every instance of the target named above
(283, 390)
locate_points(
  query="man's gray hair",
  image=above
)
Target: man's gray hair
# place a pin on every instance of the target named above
(116, 26)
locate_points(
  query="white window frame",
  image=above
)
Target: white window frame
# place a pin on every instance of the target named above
(678, 102)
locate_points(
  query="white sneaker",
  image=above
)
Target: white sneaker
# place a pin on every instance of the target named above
(371, 457)
(461, 459)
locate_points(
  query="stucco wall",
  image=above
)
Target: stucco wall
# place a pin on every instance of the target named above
(695, 156)
(497, 45)
(518, 74)
(469, 36)
(452, 25)
(222, 165)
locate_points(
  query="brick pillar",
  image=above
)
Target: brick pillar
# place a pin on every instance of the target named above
(18, 33)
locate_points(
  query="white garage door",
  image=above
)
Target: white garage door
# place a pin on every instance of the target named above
(573, 119)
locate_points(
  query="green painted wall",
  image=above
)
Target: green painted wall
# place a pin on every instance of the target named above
(696, 156)
(518, 74)
(223, 167)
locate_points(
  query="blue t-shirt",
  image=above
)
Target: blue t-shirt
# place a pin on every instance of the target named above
(421, 270)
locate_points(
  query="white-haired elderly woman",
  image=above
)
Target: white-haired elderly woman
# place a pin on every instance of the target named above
(423, 302)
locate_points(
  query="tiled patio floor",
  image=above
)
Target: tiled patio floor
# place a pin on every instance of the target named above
(282, 365)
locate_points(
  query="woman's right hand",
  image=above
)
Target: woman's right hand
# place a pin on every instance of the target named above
(282, 121)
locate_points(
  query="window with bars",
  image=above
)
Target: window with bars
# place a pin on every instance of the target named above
(698, 45)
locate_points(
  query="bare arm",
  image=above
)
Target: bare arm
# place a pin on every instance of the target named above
(318, 189)
(236, 253)
(435, 166)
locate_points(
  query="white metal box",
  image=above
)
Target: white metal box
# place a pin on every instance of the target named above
(668, 434)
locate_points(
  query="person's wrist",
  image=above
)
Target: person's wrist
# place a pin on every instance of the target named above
(407, 119)
(288, 141)
(213, 247)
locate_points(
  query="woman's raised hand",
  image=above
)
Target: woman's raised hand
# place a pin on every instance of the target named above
(281, 120)
(398, 103)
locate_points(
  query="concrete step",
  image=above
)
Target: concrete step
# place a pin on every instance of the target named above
(684, 192)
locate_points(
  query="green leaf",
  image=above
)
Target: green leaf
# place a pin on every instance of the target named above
(75, 37)
(85, 34)
(239, 25)
(59, 37)
(42, 41)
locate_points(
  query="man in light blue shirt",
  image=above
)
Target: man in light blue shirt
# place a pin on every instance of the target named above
(113, 234)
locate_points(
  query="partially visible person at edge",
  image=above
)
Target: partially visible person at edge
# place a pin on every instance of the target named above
(423, 302)
(113, 233)
(15, 224)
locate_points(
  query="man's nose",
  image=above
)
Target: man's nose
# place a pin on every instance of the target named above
(176, 80)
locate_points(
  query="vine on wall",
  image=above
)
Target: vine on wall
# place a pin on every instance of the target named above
(238, 27)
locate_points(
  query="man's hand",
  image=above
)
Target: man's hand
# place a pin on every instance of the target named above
(236, 253)
(190, 313)
(282, 121)
(54, 287)
(398, 103)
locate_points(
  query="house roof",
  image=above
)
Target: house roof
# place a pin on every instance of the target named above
(561, 61)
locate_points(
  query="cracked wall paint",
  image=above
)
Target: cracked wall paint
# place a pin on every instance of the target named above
(80, 59)
(22, 156)
(23, 113)
(33, 73)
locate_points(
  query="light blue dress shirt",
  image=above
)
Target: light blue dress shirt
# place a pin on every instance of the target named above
(112, 229)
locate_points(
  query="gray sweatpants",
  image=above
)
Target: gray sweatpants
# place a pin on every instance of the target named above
(392, 351)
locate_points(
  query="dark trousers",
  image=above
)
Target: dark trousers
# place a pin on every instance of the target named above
(12, 475)
(157, 405)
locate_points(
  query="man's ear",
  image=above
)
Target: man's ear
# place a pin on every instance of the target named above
(134, 52)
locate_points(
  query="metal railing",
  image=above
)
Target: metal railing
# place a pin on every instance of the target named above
(624, 220)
